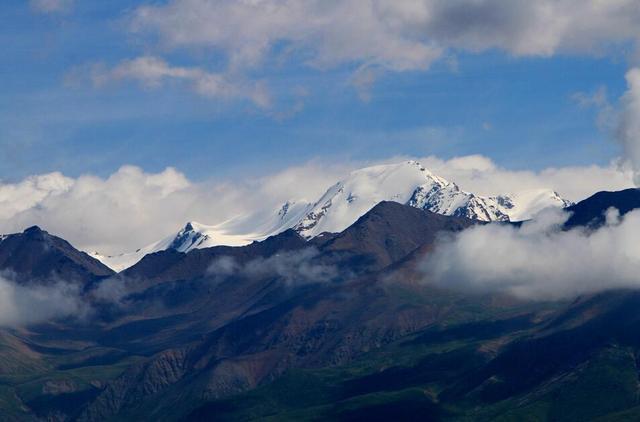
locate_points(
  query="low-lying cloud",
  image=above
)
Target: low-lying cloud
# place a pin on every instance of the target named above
(294, 268)
(539, 260)
(24, 304)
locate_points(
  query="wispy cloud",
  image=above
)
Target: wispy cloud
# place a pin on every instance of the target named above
(294, 268)
(154, 73)
(628, 127)
(51, 6)
(620, 120)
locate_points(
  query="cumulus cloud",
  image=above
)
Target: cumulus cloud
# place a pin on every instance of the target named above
(293, 268)
(539, 260)
(22, 304)
(131, 208)
(26, 194)
(400, 35)
(479, 174)
(323, 33)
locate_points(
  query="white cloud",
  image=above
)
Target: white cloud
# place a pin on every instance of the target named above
(153, 72)
(131, 208)
(294, 268)
(370, 36)
(478, 174)
(26, 194)
(22, 304)
(51, 6)
(539, 261)
(323, 33)
(394, 34)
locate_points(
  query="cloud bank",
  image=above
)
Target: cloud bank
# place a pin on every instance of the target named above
(132, 208)
(539, 260)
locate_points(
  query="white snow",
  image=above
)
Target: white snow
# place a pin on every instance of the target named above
(529, 202)
(342, 204)
(192, 236)
(412, 184)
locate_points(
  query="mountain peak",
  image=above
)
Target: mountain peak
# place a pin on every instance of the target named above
(407, 182)
(24, 254)
(411, 183)
(33, 230)
(591, 211)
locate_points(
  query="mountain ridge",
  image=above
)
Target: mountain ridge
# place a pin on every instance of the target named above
(344, 202)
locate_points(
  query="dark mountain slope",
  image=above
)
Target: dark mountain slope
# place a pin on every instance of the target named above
(261, 325)
(385, 234)
(35, 254)
(389, 232)
(591, 211)
(170, 265)
(369, 339)
(179, 296)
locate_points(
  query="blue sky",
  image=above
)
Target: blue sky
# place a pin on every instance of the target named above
(517, 109)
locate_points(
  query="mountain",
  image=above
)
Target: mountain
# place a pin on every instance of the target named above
(389, 232)
(412, 184)
(343, 203)
(235, 332)
(192, 236)
(35, 254)
(341, 326)
(591, 212)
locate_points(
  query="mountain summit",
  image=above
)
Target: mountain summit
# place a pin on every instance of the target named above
(412, 184)
(407, 183)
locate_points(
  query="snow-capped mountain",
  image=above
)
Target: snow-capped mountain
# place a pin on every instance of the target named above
(412, 184)
(192, 236)
(343, 203)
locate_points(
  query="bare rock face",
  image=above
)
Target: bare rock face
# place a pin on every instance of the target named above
(35, 254)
